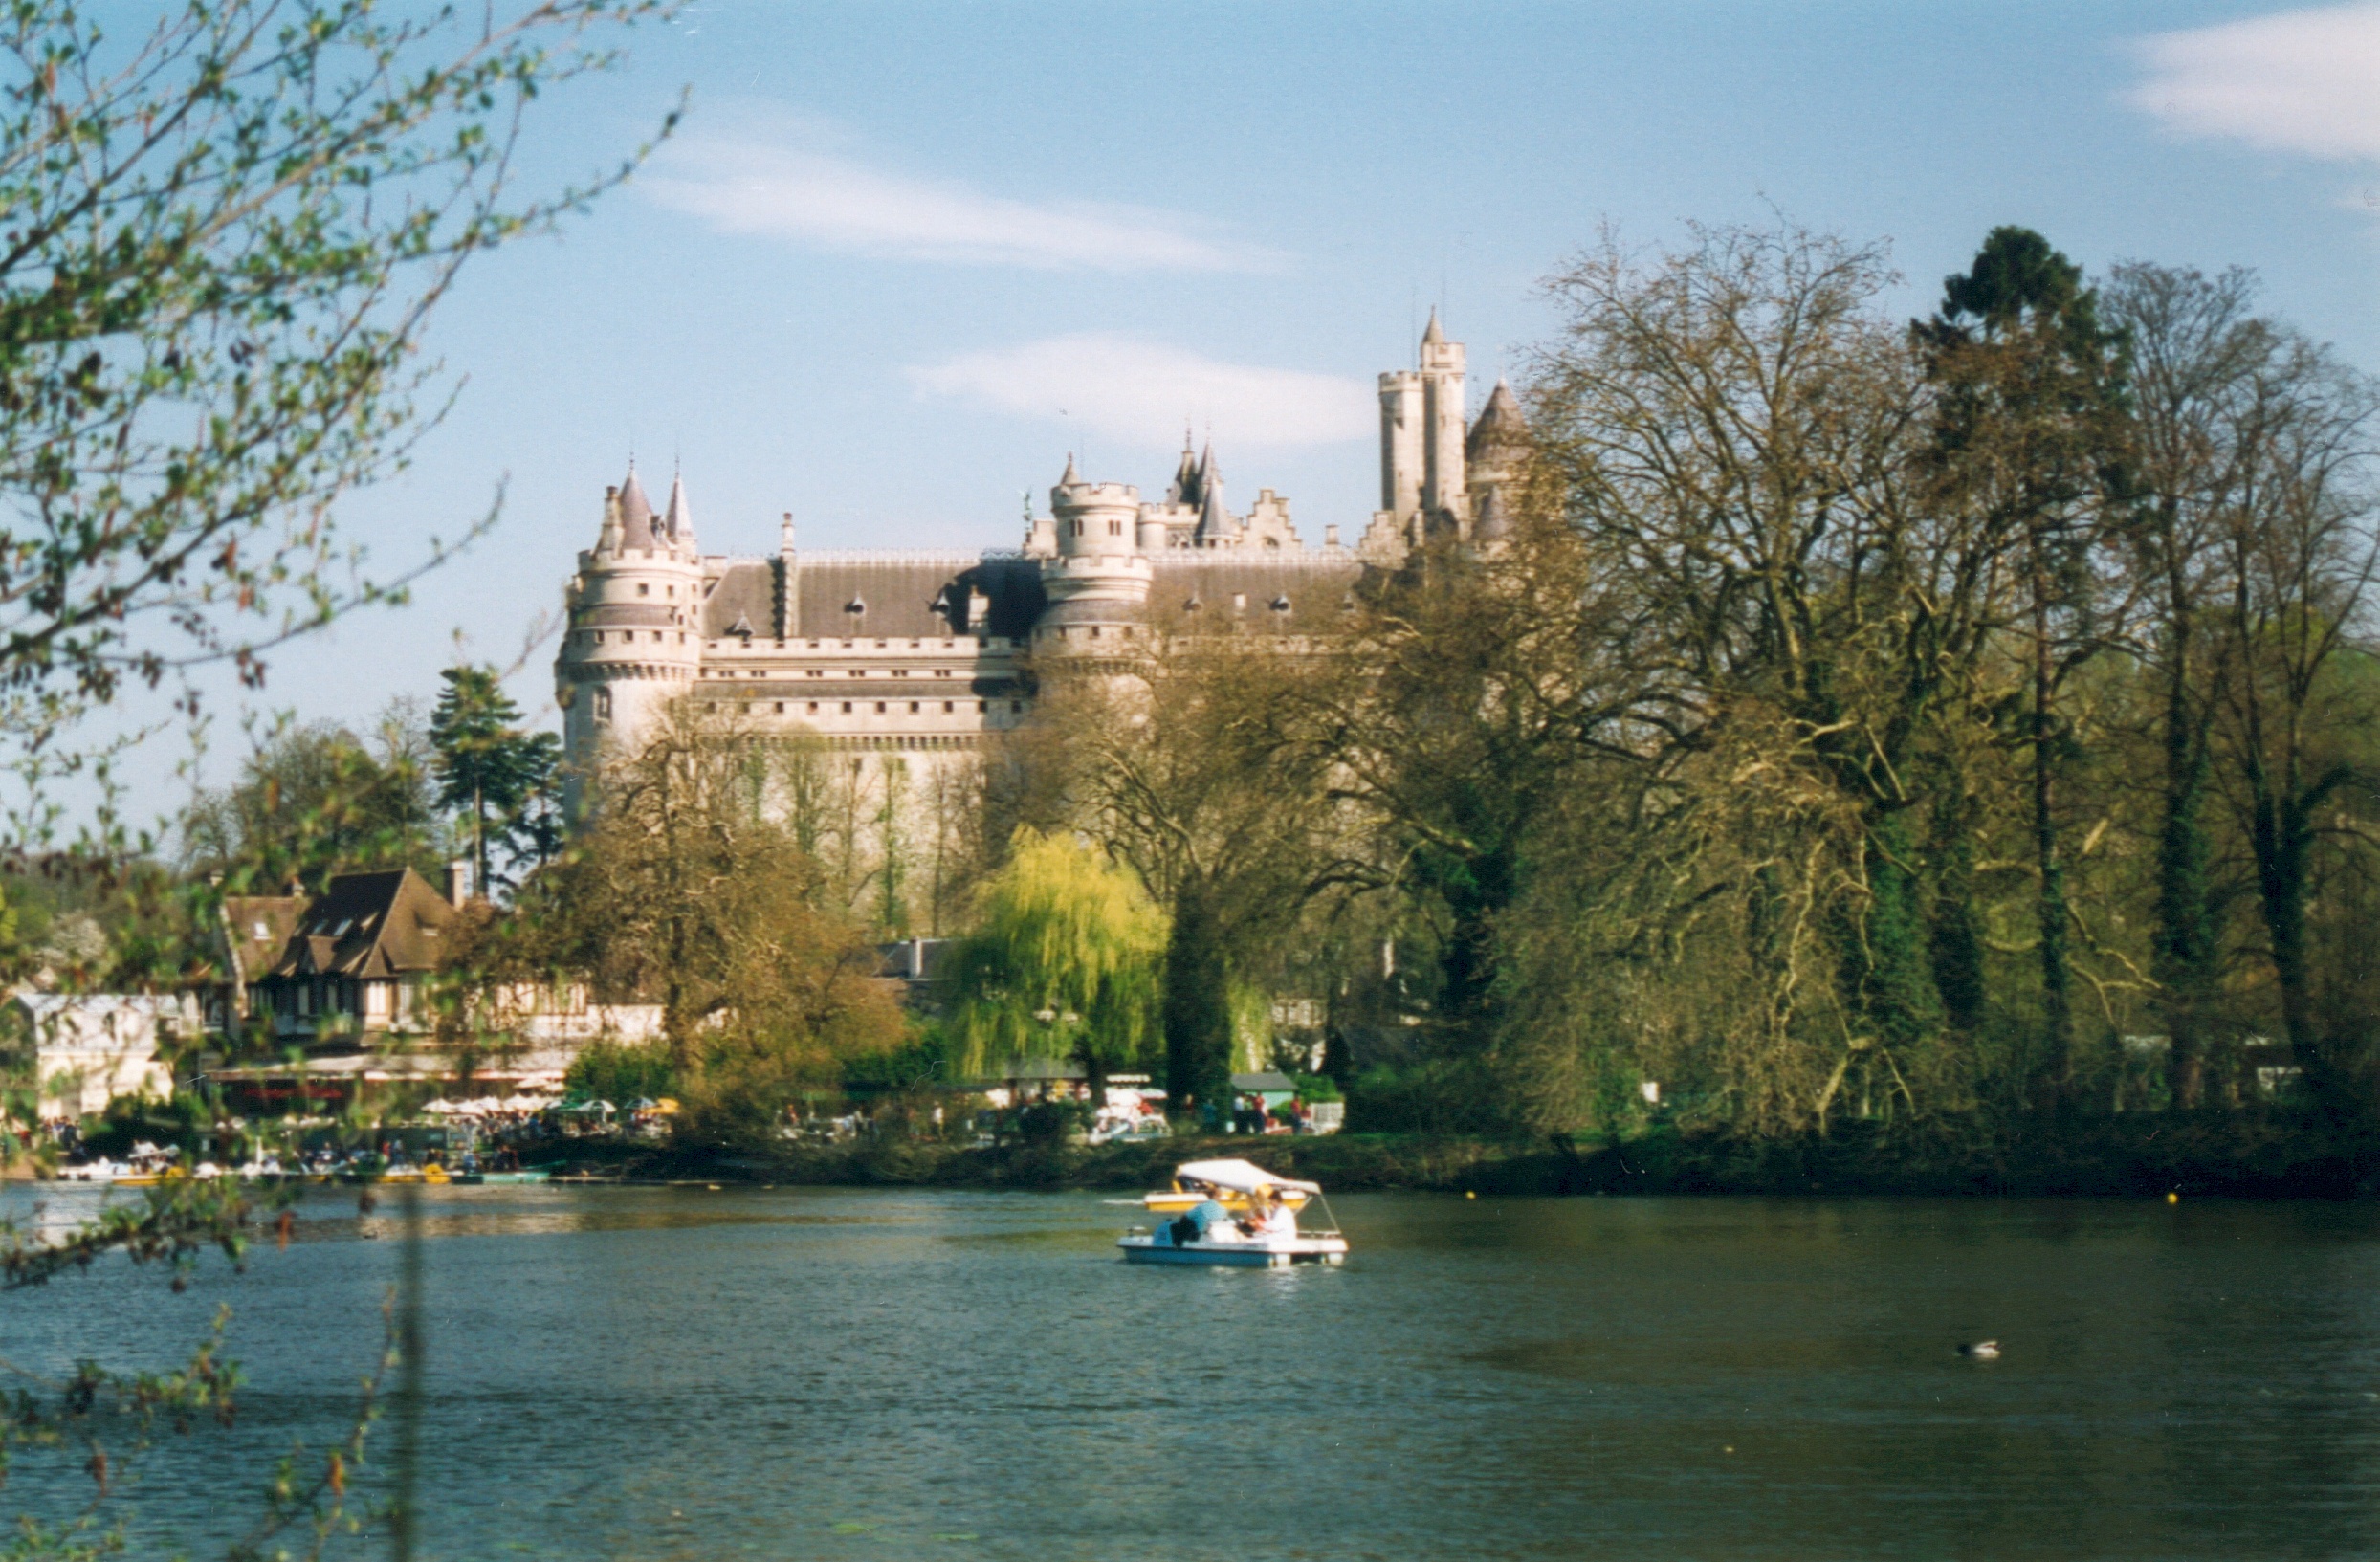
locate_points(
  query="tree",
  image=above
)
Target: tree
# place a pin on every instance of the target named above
(1065, 959)
(2197, 354)
(488, 769)
(224, 239)
(680, 891)
(226, 235)
(315, 801)
(2029, 430)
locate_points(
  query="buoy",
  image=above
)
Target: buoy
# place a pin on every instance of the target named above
(1467, 1194)
(2173, 1197)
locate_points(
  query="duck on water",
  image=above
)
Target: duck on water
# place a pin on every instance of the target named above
(1233, 1214)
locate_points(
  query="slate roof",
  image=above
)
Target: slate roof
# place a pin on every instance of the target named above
(257, 930)
(1312, 590)
(1500, 423)
(893, 596)
(635, 512)
(369, 925)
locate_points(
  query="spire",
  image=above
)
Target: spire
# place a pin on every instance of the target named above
(680, 522)
(1070, 478)
(1185, 489)
(1216, 526)
(635, 512)
(1433, 337)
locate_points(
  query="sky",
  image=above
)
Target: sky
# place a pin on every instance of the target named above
(903, 258)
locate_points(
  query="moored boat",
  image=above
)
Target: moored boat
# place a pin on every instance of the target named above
(1240, 1216)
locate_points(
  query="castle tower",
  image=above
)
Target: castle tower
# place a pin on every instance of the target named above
(1097, 584)
(1423, 482)
(1445, 498)
(632, 642)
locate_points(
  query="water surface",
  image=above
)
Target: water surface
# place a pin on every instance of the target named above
(681, 1372)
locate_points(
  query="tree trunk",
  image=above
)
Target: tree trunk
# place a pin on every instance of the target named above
(2185, 944)
(1197, 1010)
(2056, 1000)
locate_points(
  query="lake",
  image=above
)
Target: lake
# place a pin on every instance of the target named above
(665, 1373)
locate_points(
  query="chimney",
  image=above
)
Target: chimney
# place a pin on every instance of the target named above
(458, 885)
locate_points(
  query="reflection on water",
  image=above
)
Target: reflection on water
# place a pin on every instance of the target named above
(660, 1372)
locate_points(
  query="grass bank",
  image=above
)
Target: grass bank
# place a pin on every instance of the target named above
(2229, 1155)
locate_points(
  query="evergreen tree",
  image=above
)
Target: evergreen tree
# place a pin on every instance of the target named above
(488, 770)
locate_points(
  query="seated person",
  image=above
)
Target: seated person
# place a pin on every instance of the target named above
(1205, 1221)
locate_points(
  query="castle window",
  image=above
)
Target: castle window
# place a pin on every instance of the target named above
(603, 705)
(1115, 528)
(983, 706)
(859, 673)
(913, 707)
(813, 707)
(880, 707)
(781, 707)
(1016, 707)
(948, 707)
(847, 707)
(674, 591)
(643, 588)
(941, 673)
(599, 637)
(818, 673)
(1076, 528)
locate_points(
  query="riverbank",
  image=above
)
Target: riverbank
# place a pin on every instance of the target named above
(2223, 1155)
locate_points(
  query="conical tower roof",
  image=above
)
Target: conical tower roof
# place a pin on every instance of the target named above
(680, 520)
(1500, 423)
(635, 512)
(1432, 336)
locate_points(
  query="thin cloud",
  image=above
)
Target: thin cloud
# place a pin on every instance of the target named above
(832, 202)
(1139, 392)
(2304, 82)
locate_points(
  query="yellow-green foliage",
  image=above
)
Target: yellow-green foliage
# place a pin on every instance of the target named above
(1062, 931)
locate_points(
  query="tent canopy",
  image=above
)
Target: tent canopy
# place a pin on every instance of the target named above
(1239, 1175)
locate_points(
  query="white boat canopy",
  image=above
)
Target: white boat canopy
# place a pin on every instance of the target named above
(1239, 1175)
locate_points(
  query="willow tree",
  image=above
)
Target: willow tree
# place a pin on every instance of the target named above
(1065, 961)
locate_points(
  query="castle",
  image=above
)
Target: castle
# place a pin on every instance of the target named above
(919, 657)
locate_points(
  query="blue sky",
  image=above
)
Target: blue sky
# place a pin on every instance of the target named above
(904, 257)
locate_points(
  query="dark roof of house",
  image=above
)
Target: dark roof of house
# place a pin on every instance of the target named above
(369, 925)
(257, 930)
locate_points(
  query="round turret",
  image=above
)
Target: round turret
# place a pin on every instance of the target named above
(1098, 584)
(1094, 519)
(633, 642)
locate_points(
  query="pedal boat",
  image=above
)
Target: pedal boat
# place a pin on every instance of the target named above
(1231, 1249)
(1193, 1180)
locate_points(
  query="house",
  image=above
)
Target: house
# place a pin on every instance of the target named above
(84, 1050)
(344, 978)
(346, 965)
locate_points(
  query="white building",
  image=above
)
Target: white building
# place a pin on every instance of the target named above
(86, 1050)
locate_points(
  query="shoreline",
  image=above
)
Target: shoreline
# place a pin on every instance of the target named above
(2226, 1156)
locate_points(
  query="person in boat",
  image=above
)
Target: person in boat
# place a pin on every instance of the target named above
(1207, 1220)
(1273, 1216)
